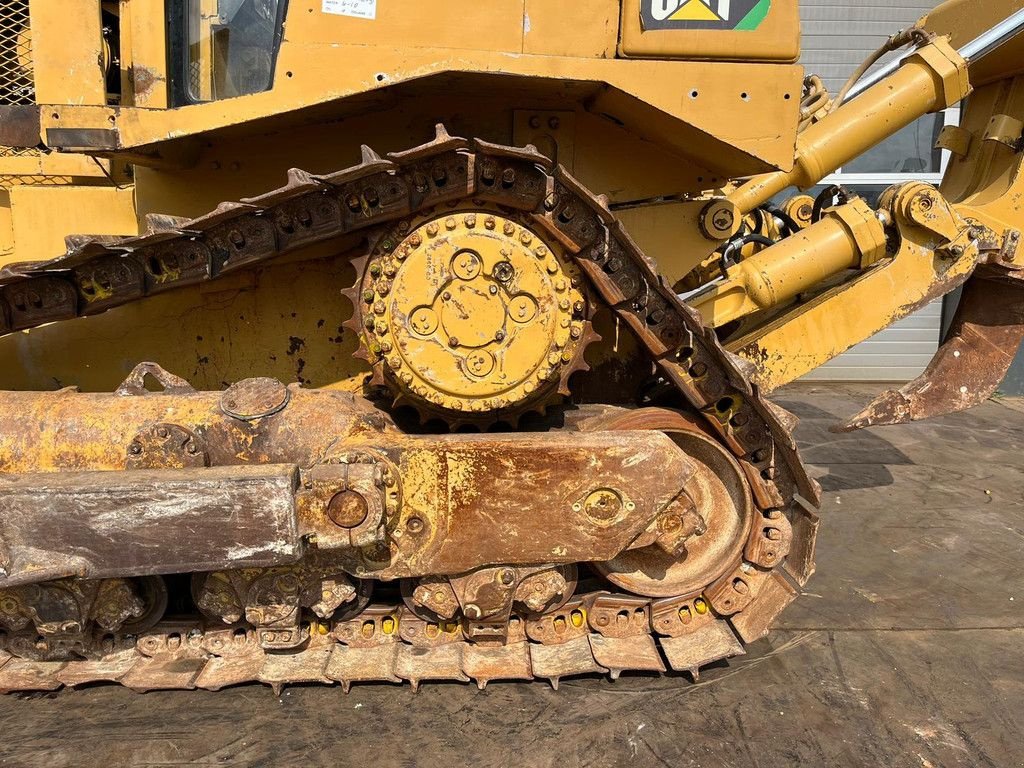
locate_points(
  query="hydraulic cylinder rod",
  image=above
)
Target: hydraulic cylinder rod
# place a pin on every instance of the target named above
(931, 79)
(849, 237)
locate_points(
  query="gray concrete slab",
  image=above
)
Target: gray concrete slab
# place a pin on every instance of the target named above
(906, 650)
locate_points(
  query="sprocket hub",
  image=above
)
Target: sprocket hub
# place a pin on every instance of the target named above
(471, 314)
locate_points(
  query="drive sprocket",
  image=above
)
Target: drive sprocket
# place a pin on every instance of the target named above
(469, 314)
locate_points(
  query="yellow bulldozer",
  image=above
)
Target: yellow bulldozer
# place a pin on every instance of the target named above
(376, 340)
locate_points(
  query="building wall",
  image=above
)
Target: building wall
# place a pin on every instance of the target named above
(839, 34)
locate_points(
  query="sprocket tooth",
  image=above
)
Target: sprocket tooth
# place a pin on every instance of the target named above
(579, 364)
(402, 401)
(351, 324)
(441, 133)
(368, 155)
(359, 264)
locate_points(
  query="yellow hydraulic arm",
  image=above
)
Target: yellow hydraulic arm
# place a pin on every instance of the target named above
(791, 307)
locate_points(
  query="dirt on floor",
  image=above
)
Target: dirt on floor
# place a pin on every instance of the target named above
(907, 649)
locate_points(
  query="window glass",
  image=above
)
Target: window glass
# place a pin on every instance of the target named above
(232, 45)
(911, 150)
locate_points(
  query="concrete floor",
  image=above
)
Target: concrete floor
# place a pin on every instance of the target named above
(906, 650)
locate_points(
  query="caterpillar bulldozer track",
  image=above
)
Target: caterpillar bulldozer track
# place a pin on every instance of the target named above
(488, 407)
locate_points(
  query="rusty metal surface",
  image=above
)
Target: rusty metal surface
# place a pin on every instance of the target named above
(19, 125)
(971, 363)
(139, 522)
(458, 502)
(254, 398)
(721, 499)
(600, 490)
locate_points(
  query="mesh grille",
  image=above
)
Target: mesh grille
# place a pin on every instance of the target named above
(6, 182)
(20, 151)
(17, 85)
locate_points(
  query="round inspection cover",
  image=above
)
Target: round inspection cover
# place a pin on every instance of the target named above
(252, 399)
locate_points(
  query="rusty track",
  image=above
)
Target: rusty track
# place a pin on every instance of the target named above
(373, 198)
(599, 633)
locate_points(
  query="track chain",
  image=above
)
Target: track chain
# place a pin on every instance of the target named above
(599, 633)
(373, 198)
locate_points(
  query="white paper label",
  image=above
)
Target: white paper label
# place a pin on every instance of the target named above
(360, 9)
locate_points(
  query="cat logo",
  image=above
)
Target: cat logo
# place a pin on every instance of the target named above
(704, 14)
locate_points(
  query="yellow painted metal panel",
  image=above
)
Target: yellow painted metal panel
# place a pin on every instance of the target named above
(669, 234)
(52, 164)
(144, 53)
(43, 216)
(283, 321)
(594, 25)
(761, 126)
(495, 24)
(68, 52)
